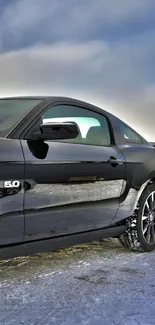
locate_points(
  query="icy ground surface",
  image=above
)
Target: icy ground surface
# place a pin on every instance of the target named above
(95, 284)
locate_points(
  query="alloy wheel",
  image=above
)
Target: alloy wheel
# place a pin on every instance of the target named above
(148, 219)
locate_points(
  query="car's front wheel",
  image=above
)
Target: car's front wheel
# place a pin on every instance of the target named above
(140, 233)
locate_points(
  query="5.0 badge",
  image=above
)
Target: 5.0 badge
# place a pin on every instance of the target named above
(11, 184)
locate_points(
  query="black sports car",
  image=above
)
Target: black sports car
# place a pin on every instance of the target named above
(71, 172)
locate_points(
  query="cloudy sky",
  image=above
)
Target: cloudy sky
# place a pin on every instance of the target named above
(101, 51)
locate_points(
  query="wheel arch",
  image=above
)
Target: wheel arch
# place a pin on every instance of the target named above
(134, 236)
(150, 180)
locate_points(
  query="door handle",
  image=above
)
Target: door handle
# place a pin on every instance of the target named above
(114, 161)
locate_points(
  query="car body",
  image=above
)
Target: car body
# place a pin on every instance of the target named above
(60, 192)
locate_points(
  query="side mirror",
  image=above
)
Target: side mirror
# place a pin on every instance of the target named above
(57, 131)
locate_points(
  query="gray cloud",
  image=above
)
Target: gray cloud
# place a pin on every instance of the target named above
(25, 22)
(117, 75)
(113, 76)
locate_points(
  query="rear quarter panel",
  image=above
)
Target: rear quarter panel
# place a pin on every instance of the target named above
(140, 163)
(139, 169)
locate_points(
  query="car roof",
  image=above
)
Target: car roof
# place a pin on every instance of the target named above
(24, 97)
(66, 99)
(73, 101)
(58, 98)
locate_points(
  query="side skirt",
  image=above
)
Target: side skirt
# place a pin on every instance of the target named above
(53, 244)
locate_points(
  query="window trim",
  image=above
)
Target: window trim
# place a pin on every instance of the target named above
(29, 128)
(5, 133)
(132, 141)
(119, 138)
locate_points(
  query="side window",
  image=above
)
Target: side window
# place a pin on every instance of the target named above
(93, 127)
(128, 135)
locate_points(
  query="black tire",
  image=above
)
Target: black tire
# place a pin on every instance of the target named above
(140, 233)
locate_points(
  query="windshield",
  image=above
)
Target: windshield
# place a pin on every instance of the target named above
(12, 111)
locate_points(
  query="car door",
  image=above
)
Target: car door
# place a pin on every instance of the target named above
(11, 192)
(74, 185)
(12, 111)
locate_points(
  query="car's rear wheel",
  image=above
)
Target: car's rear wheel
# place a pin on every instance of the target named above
(140, 233)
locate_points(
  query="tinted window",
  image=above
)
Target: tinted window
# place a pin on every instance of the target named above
(128, 135)
(12, 111)
(93, 128)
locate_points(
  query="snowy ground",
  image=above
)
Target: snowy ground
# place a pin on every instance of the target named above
(96, 284)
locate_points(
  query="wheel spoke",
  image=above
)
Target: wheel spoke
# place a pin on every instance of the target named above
(151, 200)
(152, 233)
(145, 229)
(147, 206)
(144, 218)
(152, 197)
(148, 234)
